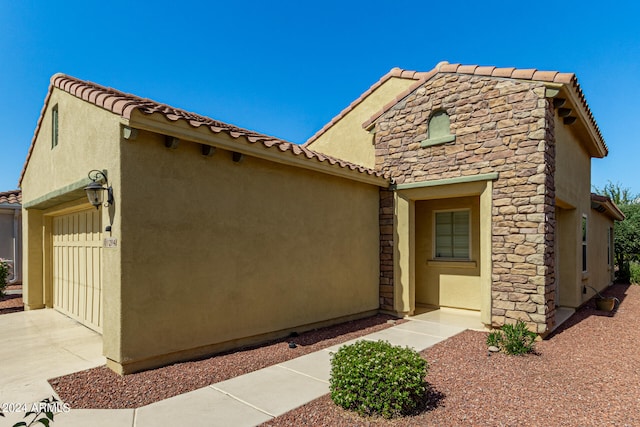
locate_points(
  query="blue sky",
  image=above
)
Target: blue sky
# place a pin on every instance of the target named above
(286, 68)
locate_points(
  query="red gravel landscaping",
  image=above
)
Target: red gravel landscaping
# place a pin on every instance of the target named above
(102, 388)
(587, 373)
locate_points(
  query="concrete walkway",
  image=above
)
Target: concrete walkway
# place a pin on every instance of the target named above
(259, 396)
(37, 345)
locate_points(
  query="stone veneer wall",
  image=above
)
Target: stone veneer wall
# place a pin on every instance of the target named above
(386, 249)
(503, 126)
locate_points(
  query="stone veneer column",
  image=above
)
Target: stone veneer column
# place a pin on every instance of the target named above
(386, 249)
(550, 223)
(523, 228)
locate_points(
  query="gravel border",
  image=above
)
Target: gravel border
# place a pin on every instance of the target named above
(11, 303)
(587, 373)
(102, 388)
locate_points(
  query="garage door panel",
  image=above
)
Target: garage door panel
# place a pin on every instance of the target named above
(77, 253)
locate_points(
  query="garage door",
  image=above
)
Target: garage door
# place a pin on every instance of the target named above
(77, 252)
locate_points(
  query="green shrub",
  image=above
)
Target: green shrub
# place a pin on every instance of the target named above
(376, 378)
(4, 273)
(494, 338)
(513, 339)
(634, 273)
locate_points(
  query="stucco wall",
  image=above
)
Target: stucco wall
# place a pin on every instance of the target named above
(573, 196)
(346, 139)
(89, 138)
(215, 251)
(573, 169)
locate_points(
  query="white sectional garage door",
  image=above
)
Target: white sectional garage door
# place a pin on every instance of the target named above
(77, 253)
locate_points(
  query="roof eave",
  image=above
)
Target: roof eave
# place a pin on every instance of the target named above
(597, 147)
(612, 210)
(261, 149)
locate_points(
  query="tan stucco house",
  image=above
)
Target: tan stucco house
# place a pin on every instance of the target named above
(11, 233)
(464, 187)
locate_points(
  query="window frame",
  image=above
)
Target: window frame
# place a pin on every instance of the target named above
(435, 256)
(444, 120)
(55, 123)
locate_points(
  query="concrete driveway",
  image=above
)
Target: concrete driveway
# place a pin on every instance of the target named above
(38, 345)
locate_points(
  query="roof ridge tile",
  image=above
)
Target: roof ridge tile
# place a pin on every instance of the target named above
(523, 73)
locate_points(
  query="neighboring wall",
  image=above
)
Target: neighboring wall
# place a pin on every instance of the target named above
(217, 253)
(11, 239)
(346, 139)
(6, 234)
(504, 127)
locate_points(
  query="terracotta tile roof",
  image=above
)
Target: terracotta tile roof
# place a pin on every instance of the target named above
(13, 197)
(605, 204)
(567, 79)
(395, 72)
(124, 104)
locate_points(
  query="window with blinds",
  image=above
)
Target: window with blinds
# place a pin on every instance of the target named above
(452, 234)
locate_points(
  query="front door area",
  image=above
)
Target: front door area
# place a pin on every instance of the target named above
(443, 246)
(447, 234)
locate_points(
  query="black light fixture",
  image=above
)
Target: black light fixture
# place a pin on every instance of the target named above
(95, 189)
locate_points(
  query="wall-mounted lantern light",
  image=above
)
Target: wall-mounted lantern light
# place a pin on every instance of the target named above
(95, 189)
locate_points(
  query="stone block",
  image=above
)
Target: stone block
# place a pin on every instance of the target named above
(536, 217)
(518, 297)
(514, 278)
(452, 149)
(517, 315)
(501, 231)
(527, 307)
(505, 210)
(515, 258)
(537, 134)
(524, 271)
(505, 305)
(497, 321)
(515, 238)
(538, 318)
(524, 250)
(535, 238)
(537, 259)
(537, 299)
(515, 130)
